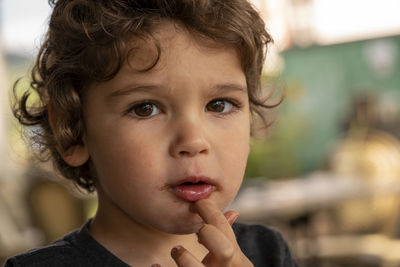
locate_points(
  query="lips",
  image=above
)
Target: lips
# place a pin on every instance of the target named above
(192, 189)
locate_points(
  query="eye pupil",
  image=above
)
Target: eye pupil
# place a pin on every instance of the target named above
(144, 110)
(217, 106)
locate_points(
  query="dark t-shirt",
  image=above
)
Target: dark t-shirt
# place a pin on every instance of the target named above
(263, 246)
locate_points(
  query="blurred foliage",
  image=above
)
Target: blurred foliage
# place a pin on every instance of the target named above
(274, 157)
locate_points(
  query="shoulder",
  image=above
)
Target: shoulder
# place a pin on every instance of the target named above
(60, 253)
(75, 249)
(263, 245)
(78, 249)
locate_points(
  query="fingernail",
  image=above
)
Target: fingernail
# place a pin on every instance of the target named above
(233, 218)
(176, 251)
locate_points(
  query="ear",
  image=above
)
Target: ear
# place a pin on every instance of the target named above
(74, 156)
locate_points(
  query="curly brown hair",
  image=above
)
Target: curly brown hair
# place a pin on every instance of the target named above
(86, 42)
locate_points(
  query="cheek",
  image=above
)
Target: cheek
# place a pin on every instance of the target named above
(233, 166)
(234, 153)
(123, 158)
(131, 161)
(239, 141)
(129, 176)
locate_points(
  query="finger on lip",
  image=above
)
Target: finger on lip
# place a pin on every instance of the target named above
(211, 214)
(208, 211)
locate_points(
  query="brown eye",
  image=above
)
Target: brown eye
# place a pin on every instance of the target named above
(219, 106)
(145, 110)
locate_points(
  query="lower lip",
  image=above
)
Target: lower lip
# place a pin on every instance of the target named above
(193, 192)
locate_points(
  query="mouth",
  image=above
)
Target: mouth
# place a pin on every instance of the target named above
(192, 189)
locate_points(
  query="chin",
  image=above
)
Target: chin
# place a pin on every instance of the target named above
(184, 226)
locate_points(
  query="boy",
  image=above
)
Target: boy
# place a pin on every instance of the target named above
(149, 103)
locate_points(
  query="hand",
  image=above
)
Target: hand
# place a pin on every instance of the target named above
(217, 236)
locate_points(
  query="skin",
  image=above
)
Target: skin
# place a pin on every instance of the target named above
(195, 122)
(217, 236)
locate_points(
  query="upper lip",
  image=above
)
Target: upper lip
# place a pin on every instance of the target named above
(195, 179)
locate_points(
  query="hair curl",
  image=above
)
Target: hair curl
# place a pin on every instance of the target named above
(85, 34)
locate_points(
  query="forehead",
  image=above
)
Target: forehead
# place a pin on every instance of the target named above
(175, 58)
(165, 44)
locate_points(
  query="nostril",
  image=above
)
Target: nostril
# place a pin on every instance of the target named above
(204, 151)
(192, 153)
(184, 153)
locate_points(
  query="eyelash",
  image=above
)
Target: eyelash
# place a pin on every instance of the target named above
(235, 106)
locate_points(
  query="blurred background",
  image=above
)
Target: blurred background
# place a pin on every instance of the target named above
(326, 173)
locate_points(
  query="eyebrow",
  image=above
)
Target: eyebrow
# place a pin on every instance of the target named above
(149, 88)
(135, 88)
(230, 87)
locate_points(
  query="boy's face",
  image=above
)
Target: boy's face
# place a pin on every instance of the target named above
(161, 139)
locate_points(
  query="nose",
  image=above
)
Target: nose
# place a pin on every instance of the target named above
(190, 139)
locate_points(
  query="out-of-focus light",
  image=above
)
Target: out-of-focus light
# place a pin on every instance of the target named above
(23, 24)
(348, 20)
(304, 22)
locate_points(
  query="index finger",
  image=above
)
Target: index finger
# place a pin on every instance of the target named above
(211, 214)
